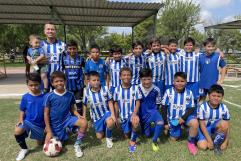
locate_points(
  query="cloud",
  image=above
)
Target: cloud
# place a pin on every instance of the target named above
(228, 19)
(214, 3)
(205, 16)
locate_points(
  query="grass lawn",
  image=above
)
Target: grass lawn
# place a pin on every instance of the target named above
(95, 151)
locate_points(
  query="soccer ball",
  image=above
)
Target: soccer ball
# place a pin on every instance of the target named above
(52, 148)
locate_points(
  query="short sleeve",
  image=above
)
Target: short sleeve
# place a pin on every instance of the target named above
(191, 101)
(226, 115)
(85, 97)
(87, 70)
(29, 52)
(109, 96)
(23, 104)
(138, 95)
(115, 94)
(158, 97)
(222, 63)
(73, 101)
(105, 67)
(46, 102)
(165, 99)
(201, 113)
(41, 51)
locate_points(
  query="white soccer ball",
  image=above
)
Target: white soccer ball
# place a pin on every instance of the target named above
(52, 148)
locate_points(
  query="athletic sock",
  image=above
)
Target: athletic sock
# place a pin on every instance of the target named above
(157, 132)
(21, 141)
(133, 136)
(219, 138)
(79, 138)
(108, 132)
(191, 139)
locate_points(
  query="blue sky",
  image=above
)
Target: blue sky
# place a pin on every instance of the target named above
(212, 12)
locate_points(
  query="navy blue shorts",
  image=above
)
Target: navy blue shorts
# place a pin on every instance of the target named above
(60, 131)
(147, 120)
(211, 130)
(175, 131)
(126, 125)
(34, 131)
(100, 125)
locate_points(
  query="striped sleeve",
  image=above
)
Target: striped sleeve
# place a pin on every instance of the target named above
(85, 97)
(201, 112)
(226, 115)
(165, 99)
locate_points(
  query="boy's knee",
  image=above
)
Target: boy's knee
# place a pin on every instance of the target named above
(223, 126)
(194, 124)
(110, 123)
(18, 131)
(99, 136)
(202, 145)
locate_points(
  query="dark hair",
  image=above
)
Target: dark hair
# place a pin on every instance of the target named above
(154, 40)
(172, 41)
(216, 88)
(57, 74)
(189, 39)
(94, 46)
(209, 41)
(180, 74)
(145, 72)
(72, 43)
(137, 43)
(93, 73)
(35, 77)
(125, 69)
(115, 48)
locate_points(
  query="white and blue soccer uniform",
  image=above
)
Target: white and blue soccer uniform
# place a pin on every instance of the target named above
(156, 62)
(126, 99)
(171, 67)
(33, 122)
(99, 67)
(114, 71)
(74, 72)
(136, 63)
(211, 116)
(150, 100)
(189, 64)
(98, 104)
(54, 53)
(60, 112)
(177, 104)
(209, 70)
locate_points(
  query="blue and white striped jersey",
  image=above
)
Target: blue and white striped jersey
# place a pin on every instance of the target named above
(189, 64)
(54, 53)
(211, 115)
(97, 101)
(126, 98)
(177, 103)
(73, 68)
(114, 71)
(171, 67)
(136, 63)
(156, 62)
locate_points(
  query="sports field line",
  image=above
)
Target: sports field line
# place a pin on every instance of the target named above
(10, 95)
(234, 104)
(233, 86)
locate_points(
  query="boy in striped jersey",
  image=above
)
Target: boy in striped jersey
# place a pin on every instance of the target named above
(73, 64)
(126, 103)
(95, 63)
(136, 61)
(178, 109)
(150, 102)
(214, 119)
(99, 100)
(189, 64)
(114, 65)
(156, 62)
(172, 63)
(53, 48)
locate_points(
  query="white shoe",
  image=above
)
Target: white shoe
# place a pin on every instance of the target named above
(109, 143)
(78, 151)
(21, 155)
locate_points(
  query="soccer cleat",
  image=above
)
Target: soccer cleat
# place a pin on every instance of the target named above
(109, 143)
(78, 151)
(132, 148)
(155, 147)
(217, 150)
(192, 148)
(21, 155)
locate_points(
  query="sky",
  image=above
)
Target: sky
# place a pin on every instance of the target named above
(212, 12)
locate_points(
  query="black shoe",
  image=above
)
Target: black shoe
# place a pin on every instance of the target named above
(217, 150)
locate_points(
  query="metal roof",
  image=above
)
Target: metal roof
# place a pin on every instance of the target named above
(227, 25)
(76, 12)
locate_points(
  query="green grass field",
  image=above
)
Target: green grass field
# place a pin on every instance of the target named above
(96, 151)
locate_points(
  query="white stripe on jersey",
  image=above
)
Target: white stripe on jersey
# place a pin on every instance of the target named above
(171, 67)
(54, 53)
(156, 62)
(126, 98)
(177, 102)
(97, 101)
(114, 71)
(189, 64)
(210, 115)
